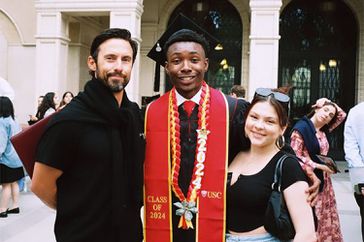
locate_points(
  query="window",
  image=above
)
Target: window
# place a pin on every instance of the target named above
(220, 19)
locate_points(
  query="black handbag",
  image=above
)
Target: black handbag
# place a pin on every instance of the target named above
(277, 220)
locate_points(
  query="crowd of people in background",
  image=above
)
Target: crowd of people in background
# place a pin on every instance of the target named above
(49, 104)
(12, 173)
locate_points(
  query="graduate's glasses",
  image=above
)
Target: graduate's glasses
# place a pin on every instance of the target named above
(266, 92)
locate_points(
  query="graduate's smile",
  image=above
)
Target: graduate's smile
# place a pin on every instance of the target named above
(186, 66)
(186, 80)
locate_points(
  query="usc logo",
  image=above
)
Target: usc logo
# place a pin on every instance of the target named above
(211, 194)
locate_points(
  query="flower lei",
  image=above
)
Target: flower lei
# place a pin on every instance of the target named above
(187, 205)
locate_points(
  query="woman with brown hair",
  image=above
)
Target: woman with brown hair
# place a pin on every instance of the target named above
(308, 139)
(66, 99)
(251, 174)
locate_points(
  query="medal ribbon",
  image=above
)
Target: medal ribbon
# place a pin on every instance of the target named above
(187, 205)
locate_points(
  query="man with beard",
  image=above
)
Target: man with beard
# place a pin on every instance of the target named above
(90, 158)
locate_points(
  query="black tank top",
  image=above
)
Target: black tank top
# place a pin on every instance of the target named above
(247, 198)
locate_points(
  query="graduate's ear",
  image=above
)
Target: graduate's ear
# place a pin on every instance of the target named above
(166, 66)
(91, 63)
(206, 62)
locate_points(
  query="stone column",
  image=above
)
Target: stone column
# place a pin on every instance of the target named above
(129, 17)
(51, 52)
(264, 40)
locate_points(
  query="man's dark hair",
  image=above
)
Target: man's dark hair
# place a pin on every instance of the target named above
(189, 36)
(238, 90)
(6, 107)
(113, 33)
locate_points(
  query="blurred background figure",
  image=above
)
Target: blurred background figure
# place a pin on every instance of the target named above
(237, 91)
(6, 90)
(48, 105)
(40, 100)
(33, 118)
(354, 155)
(11, 169)
(309, 139)
(66, 98)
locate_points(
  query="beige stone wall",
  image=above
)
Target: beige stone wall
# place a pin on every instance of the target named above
(18, 57)
(357, 7)
(243, 8)
(18, 31)
(23, 16)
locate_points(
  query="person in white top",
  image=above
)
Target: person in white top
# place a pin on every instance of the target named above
(354, 154)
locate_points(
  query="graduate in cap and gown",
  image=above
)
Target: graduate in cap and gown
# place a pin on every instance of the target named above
(191, 131)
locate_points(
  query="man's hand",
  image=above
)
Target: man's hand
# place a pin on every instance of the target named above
(313, 190)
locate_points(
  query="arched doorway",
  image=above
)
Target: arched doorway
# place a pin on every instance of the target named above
(222, 20)
(317, 55)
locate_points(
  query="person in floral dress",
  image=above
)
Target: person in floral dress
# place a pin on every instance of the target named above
(308, 139)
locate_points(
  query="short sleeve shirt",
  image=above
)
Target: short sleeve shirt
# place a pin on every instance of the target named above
(248, 197)
(82, 151)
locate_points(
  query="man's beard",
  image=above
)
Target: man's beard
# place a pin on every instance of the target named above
(114, 86)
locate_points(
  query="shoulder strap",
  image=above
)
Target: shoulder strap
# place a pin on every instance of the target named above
(276, 185)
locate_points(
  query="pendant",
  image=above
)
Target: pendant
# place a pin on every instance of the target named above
(202, 133)
(186, 211)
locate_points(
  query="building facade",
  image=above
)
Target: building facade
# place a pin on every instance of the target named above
(315, 46)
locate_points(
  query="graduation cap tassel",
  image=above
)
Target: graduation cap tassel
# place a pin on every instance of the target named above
(157, 77)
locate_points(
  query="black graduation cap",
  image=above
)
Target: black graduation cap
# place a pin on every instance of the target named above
(180, 22)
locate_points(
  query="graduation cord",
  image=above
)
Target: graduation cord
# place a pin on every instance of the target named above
(187, 205)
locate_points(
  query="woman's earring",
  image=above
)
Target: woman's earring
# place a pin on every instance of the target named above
(280, 141)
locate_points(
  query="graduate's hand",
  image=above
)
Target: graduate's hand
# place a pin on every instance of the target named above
(314, 187)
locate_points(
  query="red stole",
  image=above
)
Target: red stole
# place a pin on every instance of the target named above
(211, 203)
